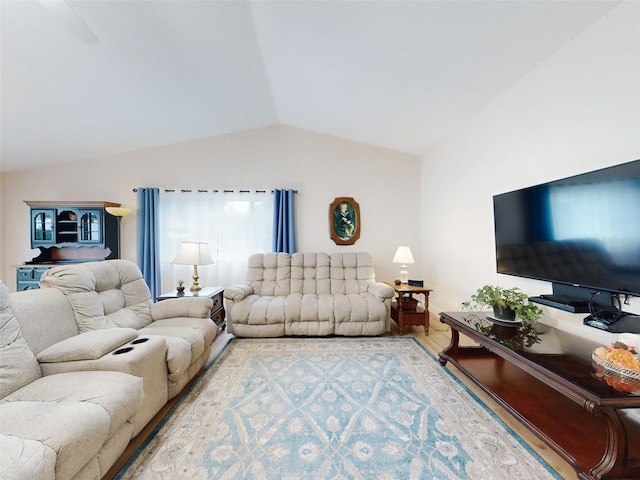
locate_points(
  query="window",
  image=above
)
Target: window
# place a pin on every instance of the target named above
(235, 225)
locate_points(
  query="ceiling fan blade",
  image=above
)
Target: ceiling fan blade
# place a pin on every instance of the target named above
(70, 19)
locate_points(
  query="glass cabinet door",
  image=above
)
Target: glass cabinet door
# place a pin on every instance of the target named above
(90, 227)
(42, 227)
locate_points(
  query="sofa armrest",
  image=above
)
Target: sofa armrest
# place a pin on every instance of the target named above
(381, 291)
(237, 292)
(130, 358)
(87, 346)
(144, 357)
(194, 307)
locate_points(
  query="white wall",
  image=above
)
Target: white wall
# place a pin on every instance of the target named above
(577, 111)
(3, 229)
(384, 183)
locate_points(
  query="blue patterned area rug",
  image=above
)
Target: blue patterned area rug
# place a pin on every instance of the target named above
(334, 408)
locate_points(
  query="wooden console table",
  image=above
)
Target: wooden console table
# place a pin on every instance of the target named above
(405, 310)
(553, 389)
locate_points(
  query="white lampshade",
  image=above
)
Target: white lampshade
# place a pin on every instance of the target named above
(403, 255)
(193, 253)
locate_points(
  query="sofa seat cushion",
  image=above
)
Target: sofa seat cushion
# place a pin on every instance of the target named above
(310, 307)
(74, 431)
(183, 346)
(295, 307)
(87, 346)
(203, 325)
(364, 307)
(28, 459)
(119, 395)
(260, 310)
(191, 335)
(358, 315)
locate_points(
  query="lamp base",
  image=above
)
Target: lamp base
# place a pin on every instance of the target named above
(195, 288)
(404, 274)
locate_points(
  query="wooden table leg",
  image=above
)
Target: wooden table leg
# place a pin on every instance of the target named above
(615, 462)
(452, 348)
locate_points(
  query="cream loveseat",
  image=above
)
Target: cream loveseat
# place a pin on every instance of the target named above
(309, 294)
(113, 294)
(76, 387)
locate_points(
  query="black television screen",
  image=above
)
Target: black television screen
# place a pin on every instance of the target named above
(582, 230)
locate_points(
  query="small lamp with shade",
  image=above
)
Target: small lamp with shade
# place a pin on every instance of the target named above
(194, 253)
(403, 256)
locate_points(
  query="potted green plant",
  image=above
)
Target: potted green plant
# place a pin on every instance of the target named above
(507, 303)
(180, 287)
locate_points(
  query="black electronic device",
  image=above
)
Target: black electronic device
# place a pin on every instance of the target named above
(416, 283)
(581, 232)
(611, 318)
(626, 323)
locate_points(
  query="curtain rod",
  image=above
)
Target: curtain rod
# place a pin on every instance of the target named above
(214, 190)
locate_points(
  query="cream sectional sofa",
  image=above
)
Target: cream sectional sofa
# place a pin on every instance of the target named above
(72, 397)
(309, 294)
(70, 425)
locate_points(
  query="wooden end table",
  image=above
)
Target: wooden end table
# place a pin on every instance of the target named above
(214, 293)
(405, 311)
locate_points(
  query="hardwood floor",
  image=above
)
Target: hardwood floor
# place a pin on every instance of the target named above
(435, 342)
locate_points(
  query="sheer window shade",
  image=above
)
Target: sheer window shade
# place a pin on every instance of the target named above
(235, 225)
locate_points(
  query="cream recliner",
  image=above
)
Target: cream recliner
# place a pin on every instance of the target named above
(74, 422)
(112, 294)
(309, 294)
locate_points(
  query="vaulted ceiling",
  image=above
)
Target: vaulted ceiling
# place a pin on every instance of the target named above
(390, 73)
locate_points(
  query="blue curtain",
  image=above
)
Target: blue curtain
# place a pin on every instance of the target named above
(148, 247)
(284, 231)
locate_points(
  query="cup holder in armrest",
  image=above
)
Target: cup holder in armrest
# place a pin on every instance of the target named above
(139, 340)
(122, 350)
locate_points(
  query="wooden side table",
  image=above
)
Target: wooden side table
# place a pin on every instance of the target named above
(214, 293)
(405, 310)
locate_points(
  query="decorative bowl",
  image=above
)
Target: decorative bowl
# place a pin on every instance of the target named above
(620, 378)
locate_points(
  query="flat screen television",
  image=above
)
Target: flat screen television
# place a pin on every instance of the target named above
(581, 231)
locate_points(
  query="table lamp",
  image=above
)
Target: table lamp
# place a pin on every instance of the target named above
(194, 253)
(403, 256)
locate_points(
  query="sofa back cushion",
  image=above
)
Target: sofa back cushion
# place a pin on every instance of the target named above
(280, 274)
(18, 365)
(79, 286)
(45, 317)
(106, 294)
(351, 273)
(125, 296)
(269, 274)
(310, 273)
